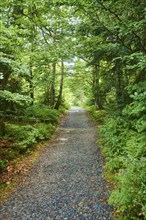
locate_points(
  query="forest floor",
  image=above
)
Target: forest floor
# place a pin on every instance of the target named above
(66, 182)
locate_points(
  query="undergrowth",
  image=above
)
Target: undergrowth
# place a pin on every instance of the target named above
(21, 136)
(123, 142)
(97, 115)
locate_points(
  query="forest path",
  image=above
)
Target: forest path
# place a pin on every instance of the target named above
(66, 182)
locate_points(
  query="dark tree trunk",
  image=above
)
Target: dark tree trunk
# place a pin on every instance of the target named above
(58, 103)
(119, 86)
(52, 101)
(2, 127)
(31, 86)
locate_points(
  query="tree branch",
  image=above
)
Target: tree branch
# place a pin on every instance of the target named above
(108, 30)
(119, 19)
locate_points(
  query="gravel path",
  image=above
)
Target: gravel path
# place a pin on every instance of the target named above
(66, 182)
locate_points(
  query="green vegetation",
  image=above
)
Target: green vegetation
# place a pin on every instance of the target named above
(88, 53)
(124, 143)
(99, 116)
(22, 133)
(31, 76)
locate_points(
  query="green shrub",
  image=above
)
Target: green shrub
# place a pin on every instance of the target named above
(23, 135)
(130, 194)
(43, 113)
(62, 110)
(37, 124)
(3, 164)
(64, 106)
(98, 115)
(9, 154)
(26, 136)
(17, 132)
(45, 131)
(123, 140)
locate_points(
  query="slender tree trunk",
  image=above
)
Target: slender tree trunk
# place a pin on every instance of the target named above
(31, 86)
(2, 127)
(61, 86)
(33, 30)
(52, 101)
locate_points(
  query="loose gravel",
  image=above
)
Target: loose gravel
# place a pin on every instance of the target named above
(66, 183)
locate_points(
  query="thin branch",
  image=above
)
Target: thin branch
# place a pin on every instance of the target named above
(108, 30)
(108, 9)
(117, 16)
(50, 33)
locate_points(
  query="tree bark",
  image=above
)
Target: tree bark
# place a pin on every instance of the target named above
(59, 99)
(31, 86)
(53, 85)
(118, 85)
(2, 127)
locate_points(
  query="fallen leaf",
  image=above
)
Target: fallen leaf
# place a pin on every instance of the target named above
(103, 200)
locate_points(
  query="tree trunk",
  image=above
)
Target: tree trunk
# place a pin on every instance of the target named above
(118, 86)
(53, 85)
(2, 127)
(31, 86)
(58, 103)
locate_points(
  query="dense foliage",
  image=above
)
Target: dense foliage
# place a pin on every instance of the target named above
(94, 51)
(123, 138)
(31, 75)
(22, 133)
